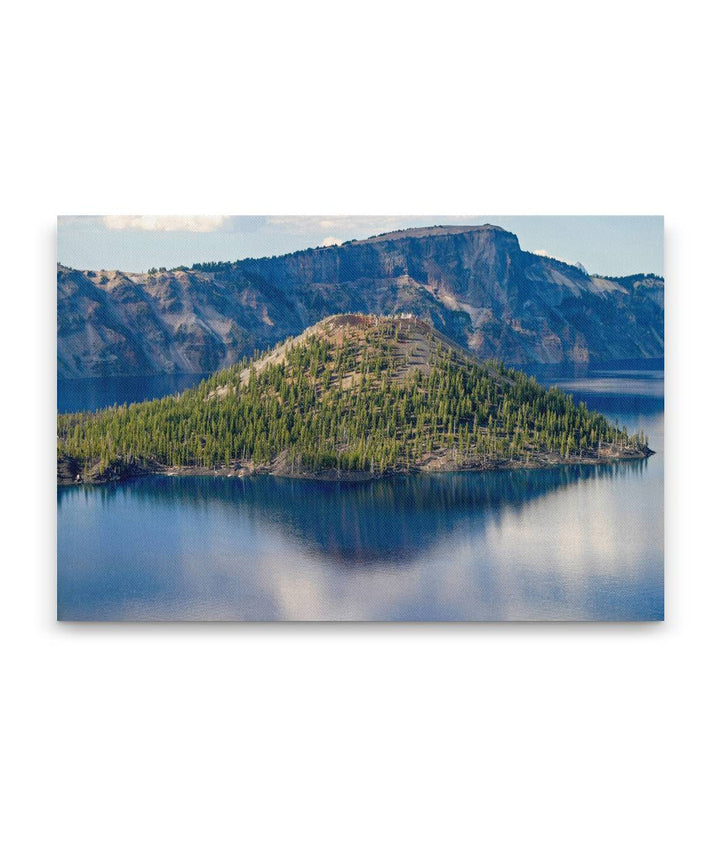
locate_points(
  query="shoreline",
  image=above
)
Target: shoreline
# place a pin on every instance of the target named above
(67, 475)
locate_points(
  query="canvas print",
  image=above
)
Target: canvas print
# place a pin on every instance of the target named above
(371, 418)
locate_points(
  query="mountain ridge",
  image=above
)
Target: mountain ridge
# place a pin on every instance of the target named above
(474, 283)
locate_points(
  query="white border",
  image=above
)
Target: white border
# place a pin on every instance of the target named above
(359, 739)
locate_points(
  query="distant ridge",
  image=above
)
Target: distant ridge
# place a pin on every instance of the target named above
(473, 283)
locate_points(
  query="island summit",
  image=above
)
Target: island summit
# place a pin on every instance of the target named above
(353, 397)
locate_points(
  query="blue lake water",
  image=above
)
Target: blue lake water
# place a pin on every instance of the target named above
(95, 393)
(571, 543)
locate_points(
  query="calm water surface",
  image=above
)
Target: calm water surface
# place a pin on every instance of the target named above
(95, 393)
(575, 542)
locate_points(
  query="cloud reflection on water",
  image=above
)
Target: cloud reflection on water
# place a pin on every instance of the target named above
(460, 546)
(567, 543)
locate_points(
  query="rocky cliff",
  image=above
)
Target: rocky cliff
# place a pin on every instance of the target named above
(475, 284)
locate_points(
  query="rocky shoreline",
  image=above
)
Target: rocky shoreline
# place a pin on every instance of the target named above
(71, 472)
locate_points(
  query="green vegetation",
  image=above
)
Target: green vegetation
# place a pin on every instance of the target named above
(377, 399)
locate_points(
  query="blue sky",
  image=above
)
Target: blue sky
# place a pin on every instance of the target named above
(613, 245)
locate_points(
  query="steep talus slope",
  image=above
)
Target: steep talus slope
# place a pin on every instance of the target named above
(475, 284)
(110, 323)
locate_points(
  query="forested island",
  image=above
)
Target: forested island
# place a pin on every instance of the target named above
(354, 396)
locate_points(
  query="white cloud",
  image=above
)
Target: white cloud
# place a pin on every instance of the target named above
(166, 223)
(331, 242)
(548, 255)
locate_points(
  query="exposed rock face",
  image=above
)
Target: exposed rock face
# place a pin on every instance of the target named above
(475, 284)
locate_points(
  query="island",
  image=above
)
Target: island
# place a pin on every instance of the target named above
(353, 397)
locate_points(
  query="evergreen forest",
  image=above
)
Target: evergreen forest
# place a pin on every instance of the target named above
(381, 396)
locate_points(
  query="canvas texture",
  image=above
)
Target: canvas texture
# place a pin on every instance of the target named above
(360, 418)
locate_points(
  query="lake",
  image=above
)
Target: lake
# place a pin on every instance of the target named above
(570, 543)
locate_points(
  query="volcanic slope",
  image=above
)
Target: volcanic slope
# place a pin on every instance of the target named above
(353, 396)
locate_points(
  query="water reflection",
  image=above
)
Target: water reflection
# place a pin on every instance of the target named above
(576, 542)
(565, 543)
(358, 525)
